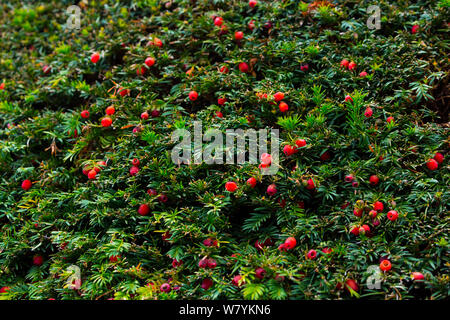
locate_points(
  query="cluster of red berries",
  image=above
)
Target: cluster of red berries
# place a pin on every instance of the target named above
(91, 171)
(288, 244)
(434, 163)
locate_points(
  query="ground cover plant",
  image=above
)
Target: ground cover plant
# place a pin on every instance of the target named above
(93, 207)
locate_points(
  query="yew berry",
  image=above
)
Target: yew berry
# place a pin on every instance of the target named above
(123, 92)
(206, 284)
(325, 156)
(439, 157)
(2, 86)
(218, 21)
(106, 122)
(260, 273)
(4, 289)
(288, 150)
(251, 25)
(144, 209)
(432, 164)
(392, 215)
(92, 173)
(390, 119)
(212, 263)
(327, 250)
(243, 67)
(238, 35)
(373, 180)
(351, 65)
(348, 98)
(224, 69)
(310, 184)
(358, 212)
(272, 189)
(95, 57)
(349, 178)
(134, 171)
(278, 96)
(155, 113)
(26, 184)
(176, 263)
(165, 287)
(237, 281)
(135, 162)
(344, 63)
(219, 114)
(157, 42)
(266, 158)
(113, 258)
(355, 230)
(46, 69)
(290, 243)
(251, 182)
(373, 214)
(150, 61)
(141, 71)
(193, 95)
(312, 254)
(152, 192)
(368, 113)
(144, 115)
(417, 276)
(385, 265)
(110, 110)
(85, 114)
(283, 106)
(300, 143)
(378, 206)
(363, 74)
(38, 260)
(414, 29)
(231, 186)
(304, 67)
(221, 101)
(203, 263)
(351, 284)
(364, 229)
(252, 3)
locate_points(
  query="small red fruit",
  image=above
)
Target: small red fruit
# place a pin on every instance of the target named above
(218, 21)
(272, 189)
(85, 114)
(260, 273)
(134, 170)
(238, 35)
(212, 263)
(300, 143)
(373, 180)
(344, 63)
(251, 182)
(349, 178)
(193, 95)
(110, 110)
(351, 65)
(390, 119)
(144, 115)
(414, 29)
(310, 184)
(283, 106)
(231, 186)
(385, 265)
(206, 284)
(417, 276)
(351, 284)
(150, 61)
(278, 96)
(95, 57)
(368, 113)
(144, 209)
(439, 157)
(221, 101)
(363, 74)
(432, 164)
(237, 281)
(348, 98)
(252, 3)
(38, 260)
(312, 254)
(243, 67)
(106, 122)
(219, 114)
(26, 184)
(92, 173)
(288, 150)
(135, 162)
(290, 243)
(165, 287)
(378, 206)
(203, 263)
(392, 215)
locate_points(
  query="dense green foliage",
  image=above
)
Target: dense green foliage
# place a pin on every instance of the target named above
(68, 219)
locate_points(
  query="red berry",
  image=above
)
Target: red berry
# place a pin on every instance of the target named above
(348, 178)
(390, 119)
(312, 254)
(203, 263)
(251, 182)
(221, 101)
(432, 164)
(135, 162)
(417, 276)
(85, 114)
(310, 184)
(238, 35)
(144, 115)
(152, 192)
(231, 186)
(385, 265)
(134, 170)
(290, 243)
(252, 3)
(243, 67)
(439, 157)
(260, 273)
(38, 260)
(355, 230)
(237, 281)
(176, 263)
(351, 65)
(373, 180)
(348, 98)
(358, 212)
(378, 206)
(206, 284)
(2, 86)
(123, 92)
(150, 61)
(113, 258)
(364, 229)
(288, 150)
(106, 122)
(144, 209)
(212, 263)
(344, 63)
(278, 96)
(392, 215)
(414, 29)
(300, 143)
(363, 74)
(46, 69)
(283, 106)
(26, 184)
(110, 110)
(368, 113)
(373, 214)
(165, 287)
(155, 113)
(218, 21)
(95, 57)
(219, 114)
(4, 289)
(327, 250)
(193, 95)
(92, 173)
(351, 284)
(272, 189)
